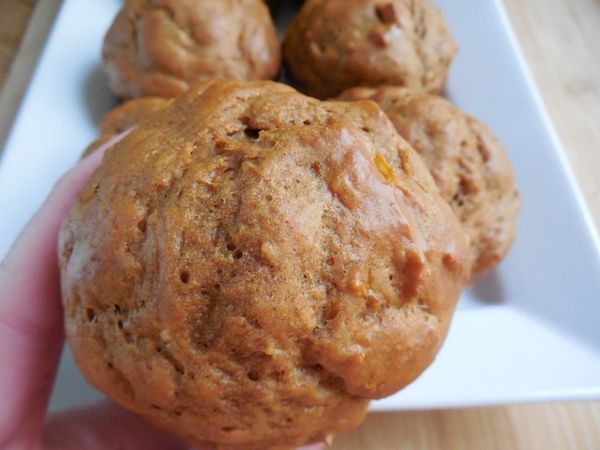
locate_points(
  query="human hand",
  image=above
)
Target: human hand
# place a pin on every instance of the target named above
(31, 339)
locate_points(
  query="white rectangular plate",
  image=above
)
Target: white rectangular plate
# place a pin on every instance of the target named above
(530, 331)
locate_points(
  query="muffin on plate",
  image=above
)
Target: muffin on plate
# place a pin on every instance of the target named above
(159, 47)
(333, 45)
(468, 164)
(250, 266)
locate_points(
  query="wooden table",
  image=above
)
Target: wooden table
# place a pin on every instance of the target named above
(561, 39)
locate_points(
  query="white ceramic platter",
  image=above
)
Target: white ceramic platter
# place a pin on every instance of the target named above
(530, 331)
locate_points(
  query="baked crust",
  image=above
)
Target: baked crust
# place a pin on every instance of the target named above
(249, 266)
(332, 45)
(468, 164)
(160, 47)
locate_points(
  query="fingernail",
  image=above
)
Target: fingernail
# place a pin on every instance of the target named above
(319, 446)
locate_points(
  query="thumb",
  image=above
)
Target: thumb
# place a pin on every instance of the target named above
(108, 426)
(105, 426)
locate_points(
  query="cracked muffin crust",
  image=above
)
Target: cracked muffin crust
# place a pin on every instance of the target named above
(333, 45)
(249, 266)
(468, 164)
(159, 47)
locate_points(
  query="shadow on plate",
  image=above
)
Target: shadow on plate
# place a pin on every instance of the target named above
(485, 292)
(97, 96)
(489, 290)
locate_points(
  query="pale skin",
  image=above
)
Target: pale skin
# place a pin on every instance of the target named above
(31, 339)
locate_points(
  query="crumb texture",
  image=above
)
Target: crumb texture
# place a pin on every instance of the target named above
(468, 164)
(249, 266)
(159, 47)
(333, 45)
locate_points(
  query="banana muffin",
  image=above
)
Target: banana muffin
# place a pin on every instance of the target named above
(159, 47)
(333, 45)
(124, 117)
(468, 164)
(250, 266)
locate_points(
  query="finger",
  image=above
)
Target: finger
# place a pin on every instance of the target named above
(313, 447)
(105, 427)
(30, 267)
(108, 426)
(31, 312)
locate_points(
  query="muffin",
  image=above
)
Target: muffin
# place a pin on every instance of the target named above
(468, 164)
(124, 117)
(249, 266)
(159, 47)
(334, 45)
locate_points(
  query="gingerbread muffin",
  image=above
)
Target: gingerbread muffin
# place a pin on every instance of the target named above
(159, 47)
(467, 161)
(249, 266)
(333, 45)
(124, 117)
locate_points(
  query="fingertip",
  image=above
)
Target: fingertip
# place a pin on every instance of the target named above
(319, 446)
(75, 178)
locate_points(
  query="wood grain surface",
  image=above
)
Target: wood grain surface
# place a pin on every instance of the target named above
(561, 41)
(19, 51)
(14, 16)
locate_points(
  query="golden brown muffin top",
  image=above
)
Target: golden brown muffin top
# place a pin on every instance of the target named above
(159, 47)
(249, 266)
(468, 164)
(333, 45)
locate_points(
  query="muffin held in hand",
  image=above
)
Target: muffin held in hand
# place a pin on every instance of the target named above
(159, 47)
(467, 162)
(249, 266)
(333, 45)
